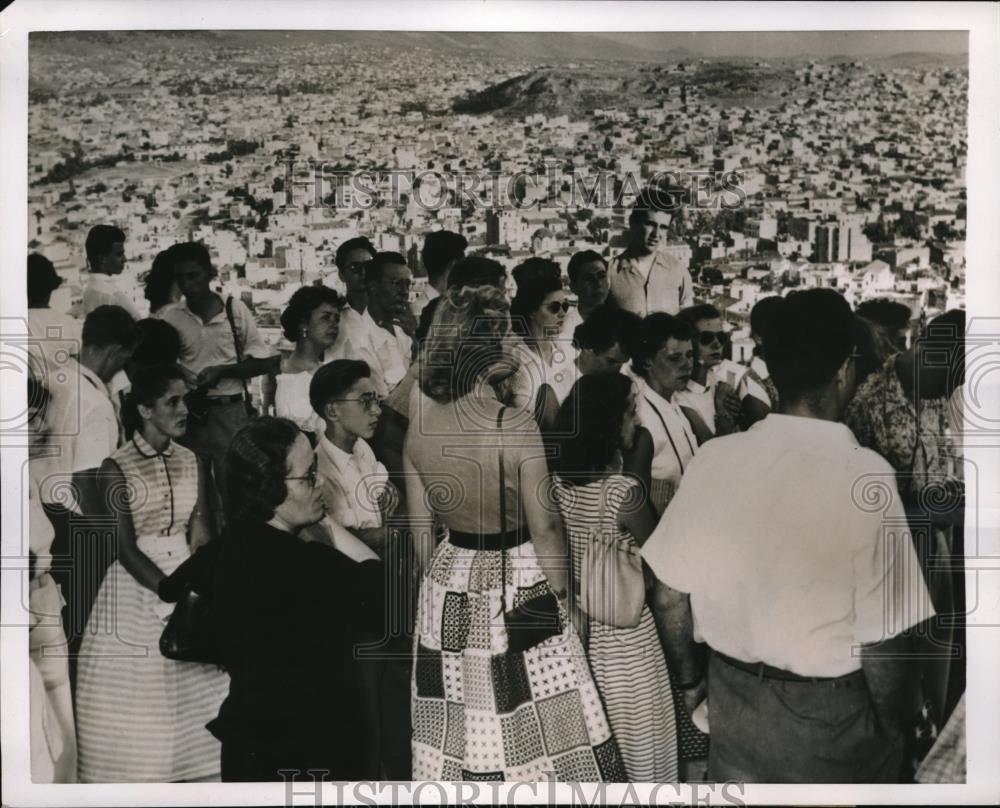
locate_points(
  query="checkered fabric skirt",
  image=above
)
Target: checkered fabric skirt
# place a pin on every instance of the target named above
(481, 713)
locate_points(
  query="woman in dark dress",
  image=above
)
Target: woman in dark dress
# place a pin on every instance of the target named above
(288, 614)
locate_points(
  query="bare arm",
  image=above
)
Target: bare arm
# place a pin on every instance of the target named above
(201, 525)
(544, 522)
(672, 611)
(637, 463)
(421, 516)
(701, 431)
(136, 563)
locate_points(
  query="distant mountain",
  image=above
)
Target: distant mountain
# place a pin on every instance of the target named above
(921, 59)
(559, 91)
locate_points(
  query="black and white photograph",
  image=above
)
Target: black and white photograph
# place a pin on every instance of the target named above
(542, 402)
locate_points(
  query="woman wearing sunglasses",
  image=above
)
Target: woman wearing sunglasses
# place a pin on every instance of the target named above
(711, 401)
(538, 314)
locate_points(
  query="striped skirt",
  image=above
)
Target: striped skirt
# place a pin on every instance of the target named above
(141, 717)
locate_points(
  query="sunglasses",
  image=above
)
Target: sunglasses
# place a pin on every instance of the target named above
(556, 306)
(706, 338)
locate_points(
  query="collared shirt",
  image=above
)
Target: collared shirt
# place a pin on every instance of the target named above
(793, 545)
(352, 483)
(106, 290)
(387, 354)
(54, 337)
(757, 382)
(83, 432)
(674, 443)
(559, 373)
(883, 417)
(668, 286)
(701, 397)
(204, 344)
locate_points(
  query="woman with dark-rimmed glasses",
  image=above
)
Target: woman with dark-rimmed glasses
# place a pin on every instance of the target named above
(288, 615)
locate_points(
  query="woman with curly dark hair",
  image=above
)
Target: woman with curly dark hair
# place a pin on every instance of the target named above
(479, 469)
(311, 321)
(597, 423)
(288, 614)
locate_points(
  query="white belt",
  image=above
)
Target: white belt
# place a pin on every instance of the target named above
(164, 546)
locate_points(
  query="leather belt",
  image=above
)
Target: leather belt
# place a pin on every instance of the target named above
(764, 671)
(489, 541)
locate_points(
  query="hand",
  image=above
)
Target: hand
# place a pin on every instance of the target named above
(694, 696)
(209, 377)
(579, 620)
(407, 320)
(190, 379)
(163, 610)
(727, 400)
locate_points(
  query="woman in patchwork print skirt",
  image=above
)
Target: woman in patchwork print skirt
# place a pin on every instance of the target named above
(482, 711)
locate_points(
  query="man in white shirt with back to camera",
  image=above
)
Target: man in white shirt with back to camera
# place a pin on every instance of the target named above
(802, 584)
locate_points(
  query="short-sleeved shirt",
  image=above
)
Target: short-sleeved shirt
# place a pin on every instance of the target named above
(883, 417)
(206, 344)
(106, 290)
(674, 443)
(352, 483)
(83, 432)
(560, 373)
(387, 354)
(667, 285)
(793, 545)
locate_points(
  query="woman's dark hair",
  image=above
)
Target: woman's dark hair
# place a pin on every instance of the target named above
(160, 280)
(605, 326)
(693, 315)
(159, 344)
(43, 280)
(441, 247)
(589, 426)
(654, 331)
(148, 384)
(109, 325)
(536, 278)
(302, 304)
(334, 379)
(465, 340)
(257, 463)
(886, 313)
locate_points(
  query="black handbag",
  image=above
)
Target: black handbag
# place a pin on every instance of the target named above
(535, 619)
(189, 635)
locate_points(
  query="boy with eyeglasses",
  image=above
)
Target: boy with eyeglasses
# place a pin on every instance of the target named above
(358, 495)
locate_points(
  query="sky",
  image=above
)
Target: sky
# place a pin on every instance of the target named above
(776, 44)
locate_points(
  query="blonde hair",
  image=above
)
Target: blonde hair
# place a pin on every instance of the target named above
(465, 340)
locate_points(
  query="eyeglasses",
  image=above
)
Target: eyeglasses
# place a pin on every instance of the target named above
(555, 306)
(370, 401)
(312, 476)
(706, 338)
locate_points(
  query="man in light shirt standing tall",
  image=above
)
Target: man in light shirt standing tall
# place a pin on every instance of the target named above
(105, 248)
(802, 584)
(644, 278)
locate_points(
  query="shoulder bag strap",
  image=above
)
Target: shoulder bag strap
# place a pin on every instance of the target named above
(236, 342)
(503, 512)
(680, 463)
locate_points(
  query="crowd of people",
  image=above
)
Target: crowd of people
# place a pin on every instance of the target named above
(468, 537)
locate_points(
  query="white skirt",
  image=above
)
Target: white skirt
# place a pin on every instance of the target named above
(141, 717)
